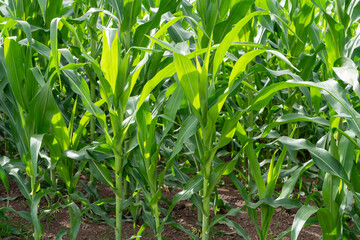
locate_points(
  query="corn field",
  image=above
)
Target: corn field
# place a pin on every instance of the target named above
(147, 97)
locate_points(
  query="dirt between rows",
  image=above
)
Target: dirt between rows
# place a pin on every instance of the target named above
(184, 213)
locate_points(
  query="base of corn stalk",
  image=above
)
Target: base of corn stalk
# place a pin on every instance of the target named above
(205, 217)
(119, 196)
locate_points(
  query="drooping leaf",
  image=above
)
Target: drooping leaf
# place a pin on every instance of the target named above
(101, 172)
(346, 70)
(321, 157)
(300, 218)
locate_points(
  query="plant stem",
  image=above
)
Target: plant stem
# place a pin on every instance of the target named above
(251, 124)
(92, 120)
(205, 216)
(118, 180)
(289, 127)
(157, 222)
(267, 213)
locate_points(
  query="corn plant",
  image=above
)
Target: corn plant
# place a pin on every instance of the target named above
(35, 113)
(145, 95)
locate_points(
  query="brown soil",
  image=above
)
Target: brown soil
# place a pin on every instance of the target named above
(183, 213)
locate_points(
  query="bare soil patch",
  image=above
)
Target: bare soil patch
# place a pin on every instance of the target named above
(184, 213)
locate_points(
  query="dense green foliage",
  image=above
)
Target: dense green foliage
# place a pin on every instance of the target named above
(143, 94)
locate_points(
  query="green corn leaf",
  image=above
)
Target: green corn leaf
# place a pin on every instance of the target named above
(330, 189)
(54, 44)
(84, 121)
(101, 172)
(79, 86)
(294, 117)
(27, 30)
(169, 26)
(24, 214)
(35, 145)
(61, 234)
(4, 179)
(188, 129)
(327, 222)
(91, 12)
(239, 230)
(240, 187)
(71, 122)
(228, 130)
(14, 58)
(171, 109)
(110, 58)
(333, 94)
(140, 39)
(255, 168)
(204, 82)
(229, 38)
(316, 98)
(61, 132)
(283, 58)
(94, 207)
(347, 153)
(75, 220)
(300, 218)
(240, 65)
(149, 219)
(42, 109)
(12, 112)
(346, 70)
(217, 173)
(320, 3)
(131, 10)
(164, 28)
(237, 12)
(220, 217)
(285, 203)
(289, 185)
(118, 7)
(43, 4)
(21, 181)
(182, 228)
(155, 199)
(193, 186)
(72, 66)
(178, 33)
(134, 75)
(274, 171)
(355, 179)
(189, 79)
(334, 39)
(168, 71)
(38, 76)
(123, 78)
(321, 157)
(165, 45)
(38, 229)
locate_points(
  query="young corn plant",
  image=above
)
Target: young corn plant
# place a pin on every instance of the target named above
(118, 71)
(197, 93)
(36, 113)
(149, 147)
(336, 169)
